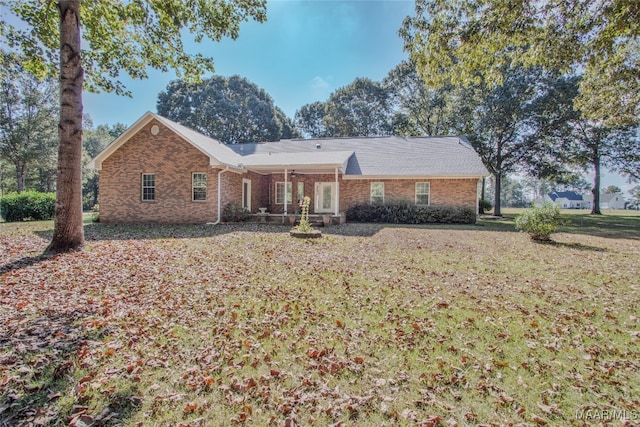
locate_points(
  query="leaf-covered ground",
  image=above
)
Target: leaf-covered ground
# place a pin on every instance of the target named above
(368, 326)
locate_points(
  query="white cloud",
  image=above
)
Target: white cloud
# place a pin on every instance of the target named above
(320, 88)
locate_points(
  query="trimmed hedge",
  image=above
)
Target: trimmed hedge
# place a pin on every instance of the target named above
(28, 205)
(406, 213)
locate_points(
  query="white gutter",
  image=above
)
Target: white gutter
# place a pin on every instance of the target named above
(226, 169)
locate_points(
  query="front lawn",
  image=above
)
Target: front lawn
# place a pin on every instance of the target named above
(370, 325)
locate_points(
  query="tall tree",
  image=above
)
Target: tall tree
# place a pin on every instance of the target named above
(27, 119)
(361, 108)
(233, 110)
(583, 143)
(309, 120)
(497, 122)
(123, 37)
(612, 189)
(419, 109)
(462, 42)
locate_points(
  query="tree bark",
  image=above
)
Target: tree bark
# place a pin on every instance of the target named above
(497, 177)
(595, 207)
(68, 233)
(20, 175)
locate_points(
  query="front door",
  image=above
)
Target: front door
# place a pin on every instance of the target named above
(325, 199)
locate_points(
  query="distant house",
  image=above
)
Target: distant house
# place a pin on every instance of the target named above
(607, 201)
(567, 199)
(161, 171)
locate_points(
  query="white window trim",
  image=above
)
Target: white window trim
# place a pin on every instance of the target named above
(143, 187)
(288, 192)
(422, 194)
(371, 192)
(193, 186)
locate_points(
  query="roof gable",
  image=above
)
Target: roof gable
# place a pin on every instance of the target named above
(217, 152)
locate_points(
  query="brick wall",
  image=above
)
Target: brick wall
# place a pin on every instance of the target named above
(460, 192)
(172, 160)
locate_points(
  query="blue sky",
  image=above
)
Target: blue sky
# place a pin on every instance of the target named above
(305, 51)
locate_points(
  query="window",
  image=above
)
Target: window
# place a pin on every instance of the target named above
(422, 193)
(148, 187)
(280, 193)
(301, 191)
(199, 186)
(377, 193)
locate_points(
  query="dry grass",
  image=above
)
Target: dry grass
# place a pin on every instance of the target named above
(370, 325)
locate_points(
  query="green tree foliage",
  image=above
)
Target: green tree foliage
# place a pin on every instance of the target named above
(362, 108)
(309, 120)
(358, 109)
(496, 120)
(232, 110)
(93, 142)
(469, 42)
(584, 143)
(28, 124)
(121, 38)
(419, 109)
(612, 189)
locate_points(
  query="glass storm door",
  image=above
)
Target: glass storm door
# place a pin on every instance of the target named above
(246, 194)
(325, 197)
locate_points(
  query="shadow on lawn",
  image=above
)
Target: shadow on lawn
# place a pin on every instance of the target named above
(21, 263)
(98, 231)
(578, 246)
(609, 226)
(39, 355)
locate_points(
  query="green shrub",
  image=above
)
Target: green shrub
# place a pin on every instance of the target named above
(407, 213)
(540, 221)
(484, 205)
(28, 205)
(235, 213)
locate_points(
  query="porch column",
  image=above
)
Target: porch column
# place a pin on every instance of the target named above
(285, 193)
(337, 212)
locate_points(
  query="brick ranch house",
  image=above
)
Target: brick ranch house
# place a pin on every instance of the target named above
(161, 171)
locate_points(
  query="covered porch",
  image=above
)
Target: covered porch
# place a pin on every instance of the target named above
(285, 179)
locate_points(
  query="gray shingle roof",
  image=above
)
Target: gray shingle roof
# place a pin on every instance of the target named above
(569, 195)
(449, 156)
(389, 156)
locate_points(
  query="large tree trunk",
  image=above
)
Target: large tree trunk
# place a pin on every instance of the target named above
(496, 197)
(595, 207)
(68, 233)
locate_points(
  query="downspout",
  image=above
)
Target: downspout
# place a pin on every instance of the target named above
(219, 197)
(337, 207)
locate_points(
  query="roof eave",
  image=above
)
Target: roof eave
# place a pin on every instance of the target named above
(416, 176)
